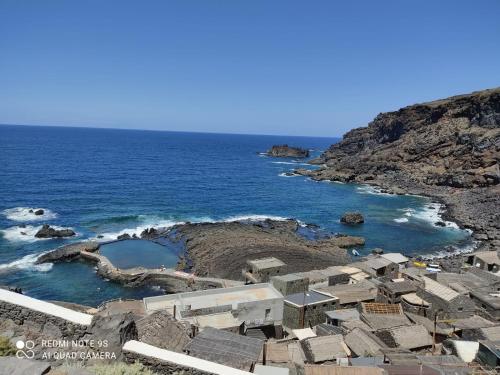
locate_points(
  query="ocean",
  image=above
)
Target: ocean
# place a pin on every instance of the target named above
(104, 182)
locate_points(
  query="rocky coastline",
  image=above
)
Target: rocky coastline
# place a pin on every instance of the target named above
(447, 150)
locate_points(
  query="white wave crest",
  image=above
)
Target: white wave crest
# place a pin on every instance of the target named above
(26, 233)
(454, 250)
(368, 189)
(401, 220)
(110, 236)
(432, 213)
(24, 214)
(254, 218)
(27, 263)
(287, 174)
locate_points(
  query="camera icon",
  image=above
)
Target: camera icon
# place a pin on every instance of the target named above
(24, 349)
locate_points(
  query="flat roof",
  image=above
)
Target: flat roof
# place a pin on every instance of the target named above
(263, 263)
(45, 307)
(395, 257)
(308, 298)
(213, 297)
(343, 314)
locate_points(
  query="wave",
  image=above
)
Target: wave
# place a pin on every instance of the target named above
(401, 220)
(368, 189)
(453, 251)
(24, 214)
(27, 263)
(26, 233)
(155, 222)
(152, 223)
(254, 218)
(284, 162)
(287, 174)
(432, 213)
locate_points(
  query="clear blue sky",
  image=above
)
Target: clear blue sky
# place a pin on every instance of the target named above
(265, 67)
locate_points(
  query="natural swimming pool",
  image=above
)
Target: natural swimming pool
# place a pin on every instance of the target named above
(139, 253)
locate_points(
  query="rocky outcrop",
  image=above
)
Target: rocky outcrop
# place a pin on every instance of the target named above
(39, 212)
(352, 218)
(68, 252)
(285, 151)
(48, 232)
(149, 233)
(448, 149)
(154, 328)
(222, 249)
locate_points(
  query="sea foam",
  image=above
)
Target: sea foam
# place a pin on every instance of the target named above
(27, 263)
(26, 233)
(24, 214)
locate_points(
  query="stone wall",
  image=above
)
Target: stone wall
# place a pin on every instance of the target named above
(50, 325)
(162, 367)
(313, 315)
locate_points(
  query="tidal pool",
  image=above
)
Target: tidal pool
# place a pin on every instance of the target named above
(139, 253)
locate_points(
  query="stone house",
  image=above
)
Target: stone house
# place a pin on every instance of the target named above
(391, 291)
(261, 270)
(444, 301)
(485, 260)
(307, 309)
(290, 283)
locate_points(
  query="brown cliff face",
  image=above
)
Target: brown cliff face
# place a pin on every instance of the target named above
(448, 148)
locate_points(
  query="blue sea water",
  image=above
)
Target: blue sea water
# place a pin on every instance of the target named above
(106, 182)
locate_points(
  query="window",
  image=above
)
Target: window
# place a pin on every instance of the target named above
(267, 314)
(460, 309)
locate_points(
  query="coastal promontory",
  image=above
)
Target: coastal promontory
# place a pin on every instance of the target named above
(448, 149)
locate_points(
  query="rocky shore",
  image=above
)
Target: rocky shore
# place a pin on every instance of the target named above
(222, 249)
(447, 149)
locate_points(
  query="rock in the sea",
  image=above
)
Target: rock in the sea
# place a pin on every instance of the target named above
(48, 232)
(124, 236)
(285, 151)
(352, 218)
(149, 233)
(39, 212)
(440, 224)
(68, 252)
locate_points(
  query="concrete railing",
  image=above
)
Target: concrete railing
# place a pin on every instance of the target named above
(43, 307)
(167, 362)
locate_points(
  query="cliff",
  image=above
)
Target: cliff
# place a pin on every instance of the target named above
(447, 149)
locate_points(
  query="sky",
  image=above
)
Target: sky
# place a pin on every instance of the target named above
(316, 68)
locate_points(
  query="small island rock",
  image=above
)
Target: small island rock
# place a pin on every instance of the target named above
(48, 232)
(39, 212)
(352, 218)
(285, 151)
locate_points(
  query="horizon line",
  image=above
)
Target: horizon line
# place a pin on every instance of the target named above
(170, 131)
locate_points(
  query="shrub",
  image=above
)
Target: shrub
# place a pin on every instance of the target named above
(6, 348)
(120, 368)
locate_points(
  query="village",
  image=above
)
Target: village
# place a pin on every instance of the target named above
(382, 314)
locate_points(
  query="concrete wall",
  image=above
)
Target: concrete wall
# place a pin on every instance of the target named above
(259, 313)
(460, 307)
(287, 287)
(313, 314)
(51, 325)
(170, 363)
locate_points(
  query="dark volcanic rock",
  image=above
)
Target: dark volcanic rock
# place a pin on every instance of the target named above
(448, 149)
(222, 249)
(285, 151)
(48, 232)
(124, 236)
(116, 329)
(352, 218)
(149, 233)
(39, 212)
(68, 252)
